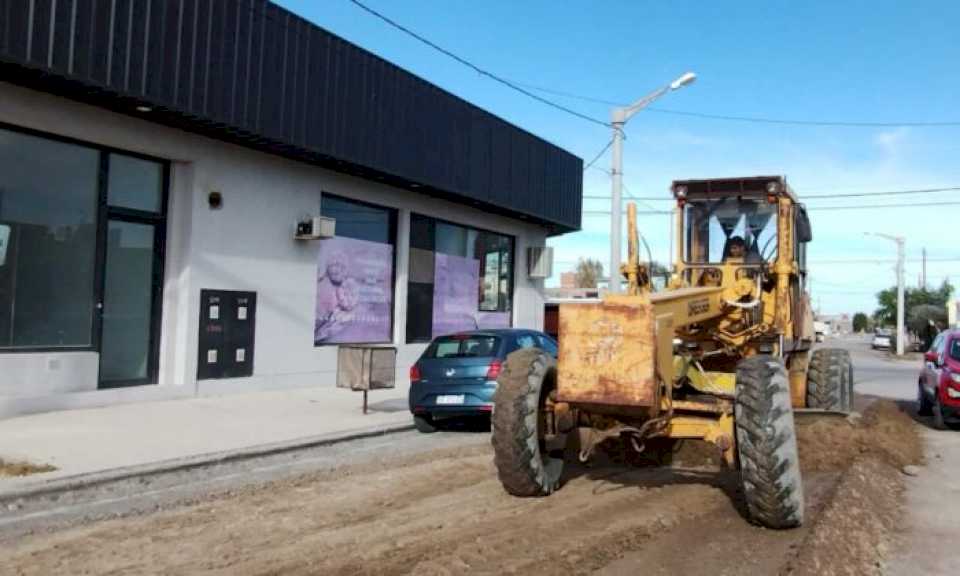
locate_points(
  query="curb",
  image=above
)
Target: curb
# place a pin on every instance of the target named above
(86, 480)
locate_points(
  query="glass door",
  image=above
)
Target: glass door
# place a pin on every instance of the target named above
(132, 271)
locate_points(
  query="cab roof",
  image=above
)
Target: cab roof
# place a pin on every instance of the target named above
(725, 187)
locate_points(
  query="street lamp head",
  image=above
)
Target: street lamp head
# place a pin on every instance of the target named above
(682, 81)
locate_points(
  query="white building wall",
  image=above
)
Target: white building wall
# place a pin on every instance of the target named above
(246, 245)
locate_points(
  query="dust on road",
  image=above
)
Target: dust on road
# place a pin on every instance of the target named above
(444, 512)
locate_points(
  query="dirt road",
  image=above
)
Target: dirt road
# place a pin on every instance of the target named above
(444, 512)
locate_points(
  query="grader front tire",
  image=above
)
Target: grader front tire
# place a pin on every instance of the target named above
(524, 465)
(767, 444)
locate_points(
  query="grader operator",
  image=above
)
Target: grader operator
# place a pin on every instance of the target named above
(723, 354)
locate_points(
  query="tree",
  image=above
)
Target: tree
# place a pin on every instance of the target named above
(926, 320)
(589, 272)
(860, 322)
(913, 299)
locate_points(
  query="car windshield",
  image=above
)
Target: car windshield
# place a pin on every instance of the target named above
(463, 347)
(730, 227)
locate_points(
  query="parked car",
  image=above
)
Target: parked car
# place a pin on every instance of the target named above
(881, 341)
(457, 374)
(939, 387)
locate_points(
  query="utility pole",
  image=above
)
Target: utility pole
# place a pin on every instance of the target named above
(923, 271)
(900, 240)
(619, 117)
(900, 305)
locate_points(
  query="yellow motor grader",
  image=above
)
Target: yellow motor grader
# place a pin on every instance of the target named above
(723, 353)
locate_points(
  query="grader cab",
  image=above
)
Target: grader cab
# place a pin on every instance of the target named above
(723, 354)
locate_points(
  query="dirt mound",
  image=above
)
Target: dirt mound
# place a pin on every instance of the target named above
(856, 530)
(859, 523)
(8, 468)
(884, 431)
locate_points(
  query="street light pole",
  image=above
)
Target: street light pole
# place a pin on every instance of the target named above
(618, 118)
(900, 240)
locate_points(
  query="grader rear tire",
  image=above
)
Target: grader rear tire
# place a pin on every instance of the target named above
(767, 444)
(524, 465)
(830, 380)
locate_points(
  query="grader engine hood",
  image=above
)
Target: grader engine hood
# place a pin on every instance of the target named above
(616, 352)
(607, 354)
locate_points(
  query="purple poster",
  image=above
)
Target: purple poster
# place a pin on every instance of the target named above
(455, 294)
(456, 286)
(354, 292)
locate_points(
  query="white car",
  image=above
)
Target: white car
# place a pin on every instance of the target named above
(880, 341)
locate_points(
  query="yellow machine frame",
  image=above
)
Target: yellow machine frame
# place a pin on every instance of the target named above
(618, 357)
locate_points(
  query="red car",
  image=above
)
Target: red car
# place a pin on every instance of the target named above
(939, 386)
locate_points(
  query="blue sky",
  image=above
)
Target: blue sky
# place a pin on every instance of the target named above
(877, 61)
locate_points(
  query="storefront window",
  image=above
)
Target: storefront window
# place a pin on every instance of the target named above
(460, 278)
(48, 237)
(355, 271)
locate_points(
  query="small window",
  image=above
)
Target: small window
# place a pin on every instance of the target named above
(526, 341)
(463, 347)
(135, 184)
(938, 344)
(955, 348)
(548, 345)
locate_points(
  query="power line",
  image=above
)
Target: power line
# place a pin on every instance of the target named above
(822, 196)
(850, 207)
(881, 206)
(598, 156)
(884, 193)
(835, 123)
(739, 118)
(474, 67)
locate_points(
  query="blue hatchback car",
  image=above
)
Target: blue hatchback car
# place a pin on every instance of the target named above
(457, 374)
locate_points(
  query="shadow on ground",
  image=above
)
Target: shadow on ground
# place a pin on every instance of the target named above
(392, 405)
(617, 467)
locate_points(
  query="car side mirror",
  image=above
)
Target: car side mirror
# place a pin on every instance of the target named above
(931, 356)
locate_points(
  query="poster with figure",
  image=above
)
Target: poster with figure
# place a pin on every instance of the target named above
(455, 294)
(354, 292)
(456, 297)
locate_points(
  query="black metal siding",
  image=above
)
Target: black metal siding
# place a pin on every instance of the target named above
(250, 72)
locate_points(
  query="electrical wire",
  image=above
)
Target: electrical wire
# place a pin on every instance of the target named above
(744, 118)
(597, 157)
(822, 196)
(881, 206)
(483, 72)
(849, 207)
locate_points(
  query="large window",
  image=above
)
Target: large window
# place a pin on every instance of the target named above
(48, 230)
(81, 245)
(355, 274)
(460, 278)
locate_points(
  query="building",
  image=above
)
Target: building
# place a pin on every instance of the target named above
(157, 160)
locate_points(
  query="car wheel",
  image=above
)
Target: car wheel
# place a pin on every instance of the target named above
(424, 424)
(924, 408)
(938, 423)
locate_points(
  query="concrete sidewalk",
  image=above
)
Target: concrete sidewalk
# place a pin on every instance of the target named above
(149, 436)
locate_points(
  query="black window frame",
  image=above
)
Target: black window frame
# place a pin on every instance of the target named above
(511, 288)
(104, 214)
(392, 220)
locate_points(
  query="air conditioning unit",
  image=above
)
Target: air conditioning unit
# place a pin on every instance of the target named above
(315, 228)
(539, 261)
